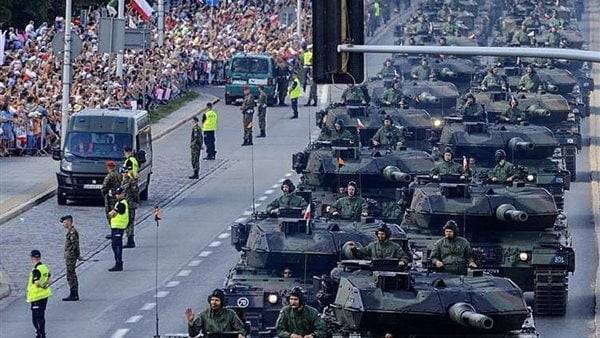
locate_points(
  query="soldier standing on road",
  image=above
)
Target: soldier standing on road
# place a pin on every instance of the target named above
(119, 219)
(289, 199)
(382, 248)
(350, 207)
(504, 171)
(216, 319)
(282, 80)
(247, 109)
(452, 253)
(447, 166)
(196, 147)
(38, 292)
(262, 111)
(294, 93)
(298, 320)
(209, 127)
(111, 182)
(132, 193)
(72, 254)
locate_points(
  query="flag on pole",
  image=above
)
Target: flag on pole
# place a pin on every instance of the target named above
(142, 8)
(359, 125)
(465, 164)
(308, 213)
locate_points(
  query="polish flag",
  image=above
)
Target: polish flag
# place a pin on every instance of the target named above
(465, 163)
(142, 8)
(308, 213)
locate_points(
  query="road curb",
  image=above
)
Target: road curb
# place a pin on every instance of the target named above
(30, 203)
(4, 284)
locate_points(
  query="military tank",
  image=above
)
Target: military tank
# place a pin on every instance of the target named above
(279, 253)
(459, 71)
(531, 147)
(516, 232)
(375, 298)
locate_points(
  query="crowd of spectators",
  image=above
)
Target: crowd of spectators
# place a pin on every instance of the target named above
(198, 41)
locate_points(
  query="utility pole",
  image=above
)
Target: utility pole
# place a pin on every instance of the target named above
(121, 15)
(66, 78)
(299, 19)
(161, 22)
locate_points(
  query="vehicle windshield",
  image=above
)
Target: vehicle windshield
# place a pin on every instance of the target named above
(97, 145)
(250, 65)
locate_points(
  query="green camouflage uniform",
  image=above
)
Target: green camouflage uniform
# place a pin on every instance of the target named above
(512, 115)
(132, 193)
(491, 81)
(421, 28)
(530, 83)
(388, 136)
(455, 254)
(421, 72)
(210, 322)
(447, 168)
(72, 253)
(111, 182)
(353, 94)
(521, 38)
(553, 39)
(472, 110)
(388, 71)
(350, 208)
(393, 96)
(383, 249)
(247, 116)
(328, 134)
(196, 146)
(262, 111)
(302, 321)
(502, 172)
(289, 200)
(449, 28)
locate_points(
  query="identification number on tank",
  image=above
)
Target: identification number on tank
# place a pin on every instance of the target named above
(559, 260)
(242, 302)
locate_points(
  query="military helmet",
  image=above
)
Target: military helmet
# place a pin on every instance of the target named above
(289, 183)
(448, 150)
(296, 291)
(500, 154)
(352, 184)
(389, 118)
(452, 226)
(340, 122)
(384, 228)
(217, 293)
(470, 96)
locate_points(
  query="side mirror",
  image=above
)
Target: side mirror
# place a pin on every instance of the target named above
(57, 154)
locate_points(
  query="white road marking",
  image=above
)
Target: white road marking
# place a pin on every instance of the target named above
(275, 185)
(134, 319)
(269, 192)
(148, 307)
(241, 220)
(224, 235)
(215, 244)
(196, 262)
(262, 198)
(256, 205)
(161, 294)
(281, 180)
(288, 174)
(184, 273)
(120, 333)
(205, 253)
(172, 284)
(247, 213)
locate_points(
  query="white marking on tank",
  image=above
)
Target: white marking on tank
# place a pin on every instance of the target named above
(134, 319)
(184, 273)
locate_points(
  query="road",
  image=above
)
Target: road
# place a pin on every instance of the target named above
(193, 237)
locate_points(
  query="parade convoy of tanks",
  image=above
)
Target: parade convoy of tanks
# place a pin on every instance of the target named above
(517, 228)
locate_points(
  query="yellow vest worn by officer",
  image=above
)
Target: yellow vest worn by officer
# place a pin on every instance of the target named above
(295, 92)
(35, 292)
(210, 123)
(308, 57)
(135, 166)
(120, 221)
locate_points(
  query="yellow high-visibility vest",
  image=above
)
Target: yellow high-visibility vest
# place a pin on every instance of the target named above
(35, 292)
(121, 221)
(210, 124)
(295, 92)
(308, 57)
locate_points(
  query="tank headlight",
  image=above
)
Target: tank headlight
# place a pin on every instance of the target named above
(530, 178)
(66, 165)
(437, 123)
(273, 298)
(570, 141)
(524, 256)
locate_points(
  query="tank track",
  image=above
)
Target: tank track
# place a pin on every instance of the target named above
(550, 291)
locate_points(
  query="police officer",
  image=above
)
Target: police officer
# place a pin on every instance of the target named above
(216, 319)
(504, 171)
(131, 161)
(421, 72)
(111, 182)
(353, 95)
(492, 80)
(132, 194)
(298, 320)
(282, 80)
(72, 254)
(382, 248)
(447, 166)
(471, 110)
(209, 127)
(350, 207)
(289, 199)
(195, 147)
(262, 111)
(512, 114)
(337, 133)
(393, 96)
(388, 135)
(294, 93)
(119, 220)
(38, 292)
(530, 82)
(247, 109)
(307, 60)
(452, 253)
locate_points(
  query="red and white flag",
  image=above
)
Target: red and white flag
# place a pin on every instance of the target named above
(359, 125)
(465, 164)
(308, 213)
(142, 8)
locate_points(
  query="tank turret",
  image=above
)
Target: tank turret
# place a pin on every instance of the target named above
(517, 143)
(394, 174)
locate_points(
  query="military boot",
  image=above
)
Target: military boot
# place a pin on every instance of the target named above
(130, 243)
(194, 176)
(262, 134)
(118, 267)
(73, 296)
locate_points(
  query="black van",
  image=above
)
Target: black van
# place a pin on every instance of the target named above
(95, 136)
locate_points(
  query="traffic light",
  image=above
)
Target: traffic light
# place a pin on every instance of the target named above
(336, 22)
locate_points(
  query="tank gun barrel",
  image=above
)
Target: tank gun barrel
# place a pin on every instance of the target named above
(394, 174)
(508, 213)
(517, 143)
(464, 314)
